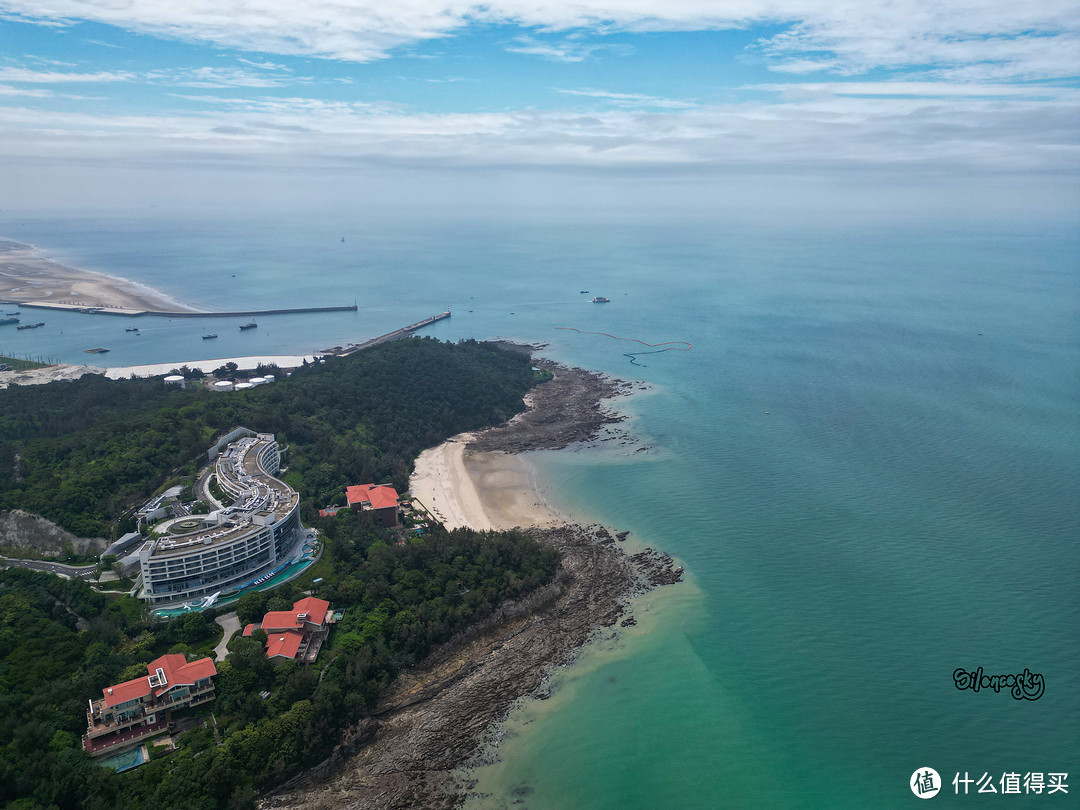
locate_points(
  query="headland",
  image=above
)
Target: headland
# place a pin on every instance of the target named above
(436, 718)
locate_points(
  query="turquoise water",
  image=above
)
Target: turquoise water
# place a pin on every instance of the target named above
(868, 464)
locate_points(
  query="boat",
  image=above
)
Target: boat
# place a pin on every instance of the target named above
(132, 329)
(599, 299)
(583, 292)
(98, 350)
(13, 313)
(251, 325)
(6, 321)
(31, 325)
(208, 337)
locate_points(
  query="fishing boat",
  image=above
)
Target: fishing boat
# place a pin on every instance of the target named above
(98, 350)
(13, 313)
(251, 325)
(6, 321)
(583, 292)
(31, 325)
(208, 337)
(132, 329)
(599, 299)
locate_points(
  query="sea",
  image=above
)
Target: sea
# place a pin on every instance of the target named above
(864, 449)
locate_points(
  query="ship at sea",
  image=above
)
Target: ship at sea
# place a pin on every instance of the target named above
(251, 325)
(6, 321)
(599, 299)
(211, 337)
(31, 325)
(132, 329)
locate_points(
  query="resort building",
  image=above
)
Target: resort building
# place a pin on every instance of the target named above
(297, 634)
(130, 712)
(199, 556)
(382, 499)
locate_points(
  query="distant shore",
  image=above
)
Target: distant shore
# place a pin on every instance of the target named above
(436, 718)
(26, 277)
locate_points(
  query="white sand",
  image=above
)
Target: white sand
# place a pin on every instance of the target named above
(40, 376)
(481, 491)
(244, 363)
(27, 276)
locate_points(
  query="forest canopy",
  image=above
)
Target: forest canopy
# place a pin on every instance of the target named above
(82, 453)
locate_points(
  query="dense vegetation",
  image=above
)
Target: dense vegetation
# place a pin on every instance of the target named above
(81, 453)
(398, 601)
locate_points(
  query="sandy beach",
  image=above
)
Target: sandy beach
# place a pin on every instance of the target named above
(491, 490)
(49, 374)
(28, 277)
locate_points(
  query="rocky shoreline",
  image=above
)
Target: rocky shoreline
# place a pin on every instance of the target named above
(436, 717)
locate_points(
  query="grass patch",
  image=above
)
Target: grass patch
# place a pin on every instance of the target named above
(23, 365)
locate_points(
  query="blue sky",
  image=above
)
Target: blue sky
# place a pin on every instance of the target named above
(959, 89)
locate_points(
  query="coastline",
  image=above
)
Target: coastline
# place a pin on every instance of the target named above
(438, 717)
(27, 277)
(66, 371)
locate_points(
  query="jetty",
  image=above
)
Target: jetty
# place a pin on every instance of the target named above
(171, 313)
(404, 331)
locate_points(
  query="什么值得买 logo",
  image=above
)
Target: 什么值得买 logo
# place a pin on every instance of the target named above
(1027, 685)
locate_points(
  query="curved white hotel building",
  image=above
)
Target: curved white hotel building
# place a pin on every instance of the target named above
(199, 555)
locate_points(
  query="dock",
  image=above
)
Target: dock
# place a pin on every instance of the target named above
(169, 313)
(342, 351)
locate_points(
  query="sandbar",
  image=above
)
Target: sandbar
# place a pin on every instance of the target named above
(28, 277)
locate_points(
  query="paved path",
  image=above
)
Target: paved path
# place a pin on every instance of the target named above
(230, 623)
(82, 571)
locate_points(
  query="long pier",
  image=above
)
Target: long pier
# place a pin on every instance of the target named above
(170, 313)
(341, 351)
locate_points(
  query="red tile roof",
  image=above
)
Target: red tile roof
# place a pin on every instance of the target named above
(180, 672)
(314, 608)
(290, 619)
(284, 644)
(281, 620)
(248, 630)
(128, 690)
(177, 670)
(380, 496)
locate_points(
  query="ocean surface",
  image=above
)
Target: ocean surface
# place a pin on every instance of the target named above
(868, 463)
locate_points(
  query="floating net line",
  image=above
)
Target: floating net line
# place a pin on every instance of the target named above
(672, 345)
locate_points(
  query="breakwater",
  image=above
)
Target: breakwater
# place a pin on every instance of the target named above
(169, 313)
(402, 332)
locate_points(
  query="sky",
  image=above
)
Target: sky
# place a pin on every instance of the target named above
(956, 103)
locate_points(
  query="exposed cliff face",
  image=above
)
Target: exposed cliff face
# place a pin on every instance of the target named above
(33, 536)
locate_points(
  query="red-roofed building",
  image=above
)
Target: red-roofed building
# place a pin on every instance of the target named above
(131, 711)
(295, 634)
(382, 499)
(283, 645)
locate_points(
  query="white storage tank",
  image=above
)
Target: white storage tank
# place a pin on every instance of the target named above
(257, 381)
(175, 379)
(269, 378)
(244, 386)
(223, 385)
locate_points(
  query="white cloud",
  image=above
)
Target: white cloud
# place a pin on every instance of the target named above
(217, 77)
(636, 100)
(827, 129)
(26, 92)
(567, 49)
(52, 77)
(978, 38)
(265, 64)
